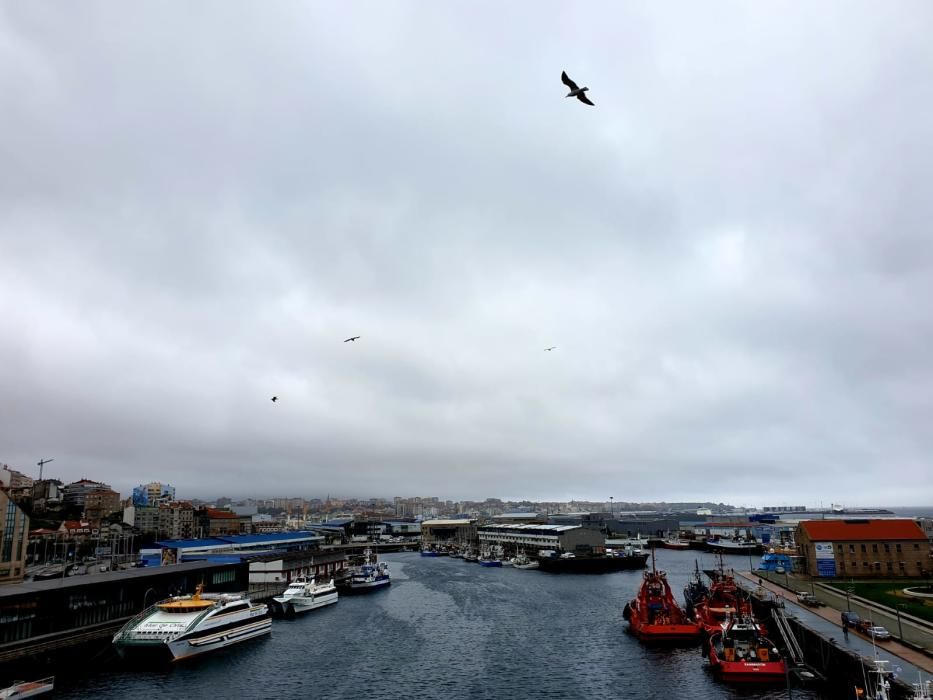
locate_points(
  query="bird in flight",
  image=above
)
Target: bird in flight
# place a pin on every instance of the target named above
(354, 338)
(553, 347)
(274, 399)
(578, 92)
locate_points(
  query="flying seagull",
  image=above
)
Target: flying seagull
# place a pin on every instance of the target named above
(353, 339)
(274, 399)
(553, 347)
(578, 92)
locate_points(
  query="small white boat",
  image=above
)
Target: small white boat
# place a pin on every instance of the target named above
(28, 689)
(304, 595)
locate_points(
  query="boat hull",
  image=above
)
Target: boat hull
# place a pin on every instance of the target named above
(299, 604)
(679, 546)
(490, 563)
(592, 565)
(367, 587)
(211, 640)
(679, 634)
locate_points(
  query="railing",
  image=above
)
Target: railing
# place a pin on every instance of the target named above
(136, 619)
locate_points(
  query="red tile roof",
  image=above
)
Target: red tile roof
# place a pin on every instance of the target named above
(861, 530)
(214, 514)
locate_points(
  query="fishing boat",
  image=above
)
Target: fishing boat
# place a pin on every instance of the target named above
(734, 546)
(773, 561)
(368, 576)
(304, 595)
(740, 653)
(471, 555)
(695, 591)
(672, 543)
(522, 561)
(28, 689)
(429, 550)
(654, 616)
(489, 558)
(189, 625)
(877, 681)
(725, 600)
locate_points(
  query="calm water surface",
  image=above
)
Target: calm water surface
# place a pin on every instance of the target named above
(450, 629)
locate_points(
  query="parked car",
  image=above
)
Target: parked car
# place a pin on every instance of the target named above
(851, 619)
(807, 598)
(878, 632)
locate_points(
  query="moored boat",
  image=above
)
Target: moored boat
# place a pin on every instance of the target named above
(185, 626)
(725, 600)
(675, 544)
(489, 558)
(28, 689)
(740, 653)
(736, 546)
(304, 594)
(569, 563)
(654, 616)
(368, 576)
(522, 561)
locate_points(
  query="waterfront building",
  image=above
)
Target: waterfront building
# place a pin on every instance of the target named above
(14, 480)
(533, 538)
(154, 494)
(864, 548)
(440, 532)
(14, 534)
(521, 518)
(74, 610)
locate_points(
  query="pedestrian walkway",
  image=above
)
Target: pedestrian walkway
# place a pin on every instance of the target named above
(828, 621)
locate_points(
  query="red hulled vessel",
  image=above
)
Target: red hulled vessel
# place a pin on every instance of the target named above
(740, 653)
(725, 600)
(654, 616)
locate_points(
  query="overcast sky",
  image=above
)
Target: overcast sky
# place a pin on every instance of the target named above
(732, 250)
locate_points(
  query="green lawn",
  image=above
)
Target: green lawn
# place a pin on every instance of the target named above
(889, 593)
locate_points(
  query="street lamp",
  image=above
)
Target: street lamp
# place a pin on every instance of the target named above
(897, 610)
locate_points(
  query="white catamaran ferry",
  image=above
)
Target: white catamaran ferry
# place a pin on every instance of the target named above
(188, 625)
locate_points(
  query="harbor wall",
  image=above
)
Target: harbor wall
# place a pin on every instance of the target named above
(842, 668)
(912, 630)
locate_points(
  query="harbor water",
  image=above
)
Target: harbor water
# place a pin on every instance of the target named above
(447, 629)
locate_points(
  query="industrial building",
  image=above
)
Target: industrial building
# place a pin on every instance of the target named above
(533, 538)
(864, 548)
(441, 532)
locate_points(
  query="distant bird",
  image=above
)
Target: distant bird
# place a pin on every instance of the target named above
(274, 399)
(575, 91)
(553, 347)
(354, 338)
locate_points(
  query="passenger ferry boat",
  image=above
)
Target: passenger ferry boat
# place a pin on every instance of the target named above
(653, 615)
(184, 626)
(739, 652)
(368, 576)
(303, 595)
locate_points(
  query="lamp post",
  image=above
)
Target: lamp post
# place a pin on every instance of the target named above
(897, 610)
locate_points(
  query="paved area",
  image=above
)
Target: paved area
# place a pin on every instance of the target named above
(827, 621)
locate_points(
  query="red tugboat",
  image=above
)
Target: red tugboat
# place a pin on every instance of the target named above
(740, 653)
(654, 616)
(725, 600)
